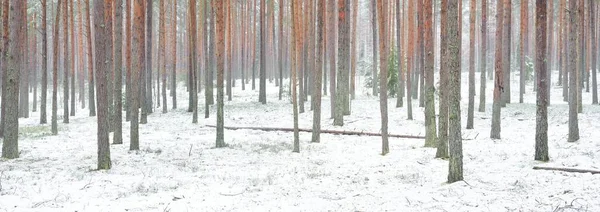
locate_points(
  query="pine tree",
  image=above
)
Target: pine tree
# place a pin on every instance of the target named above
(17, 23)
(54, 118)
(574, 73)
(541, 129)
(499, 77)
(430, 130)
(118, 62)
(383, 61)
(455, 172)
(471, 106)
(102, 11)
(297, 37)
(316, 130)
(442, 148)
(43, 115)
(220, 10)
(91, 83)
(138, 51)
(483, 55)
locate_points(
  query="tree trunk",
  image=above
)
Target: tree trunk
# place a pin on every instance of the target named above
(279, 50)
(399, 31)
(592, 9)
(193, 60)
(506, 41)
(430, 130)
(220, 10)
(118, 85)
(383, 61)
(138, 50)
(297, 37)
(43, 115)
(331, 12)
(262, 93)
(574, 87)
(162, 60)
(499, 77)
(128, 66)
(17, 23)
(483, 55)
(541, 128)
(523, 40)
(174, 53)
(410, 58)
(91, 83)
(72, 64)
(442, 148)
(353, 51)
(455, 172)
(375, 50)
(316, 129)
(55, 57)
(102, 11)
(343, 62)
(471, 106)
(66, 62)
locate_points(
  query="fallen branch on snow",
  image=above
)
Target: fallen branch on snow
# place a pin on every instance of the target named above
(567, 169)
(336, 132)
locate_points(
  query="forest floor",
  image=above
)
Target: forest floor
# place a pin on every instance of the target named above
(178, 168)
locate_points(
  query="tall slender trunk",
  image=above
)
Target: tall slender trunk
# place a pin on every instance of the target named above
(442, 148)
(541, 129)
(220, 13)
(499, 77)
(17, 23)
(483, 55)
(90, 56)
(44, 32)
(455, 169)
(574, 87)
(296, 37)
(174, 53)
(316, 132)
(55, 36)
(102, 19)
(383, 61)
(523, 40)
(73, 55)
(471, 106)
(137, 68)
(118, 83)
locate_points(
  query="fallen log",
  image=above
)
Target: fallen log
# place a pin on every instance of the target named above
(567, 169)
(335, 132)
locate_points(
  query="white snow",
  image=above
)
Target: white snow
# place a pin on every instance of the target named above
(177, 168)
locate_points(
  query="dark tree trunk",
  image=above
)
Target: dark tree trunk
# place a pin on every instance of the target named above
(43, 115)
(262, 93)
(483, 55)
(55, 57)
(316, 129)
(297, 37)
(471, 106)
(499, 77)
(118, 83)
(220, 10)
(574, 87)
(102, 11)
(374, 26)
(594, 40)
(91, 83)
(524, 41)
(541, 129)
(138, 51)
(455, 172)
(382, 5)
(442, 148)
(17, 23)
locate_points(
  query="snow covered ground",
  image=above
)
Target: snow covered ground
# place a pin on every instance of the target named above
(177, 168)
